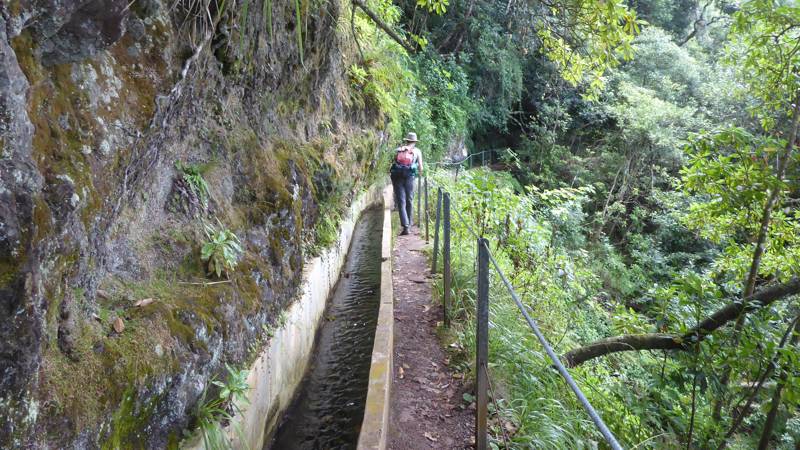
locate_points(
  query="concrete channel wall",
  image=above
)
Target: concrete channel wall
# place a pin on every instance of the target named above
(374, 428)
(278, 371)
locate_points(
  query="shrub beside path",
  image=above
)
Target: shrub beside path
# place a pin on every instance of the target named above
(427, 406)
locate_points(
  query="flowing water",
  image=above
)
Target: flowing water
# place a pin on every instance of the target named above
(327, 412)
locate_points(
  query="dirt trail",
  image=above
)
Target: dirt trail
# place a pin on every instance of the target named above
(426, 409)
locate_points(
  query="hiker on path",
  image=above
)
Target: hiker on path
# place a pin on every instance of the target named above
(406, 165)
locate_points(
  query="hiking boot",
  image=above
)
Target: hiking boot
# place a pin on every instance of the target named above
(404, 232)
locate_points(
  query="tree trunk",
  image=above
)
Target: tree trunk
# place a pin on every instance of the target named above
(769, 424)
(758, 252)
(737, 420)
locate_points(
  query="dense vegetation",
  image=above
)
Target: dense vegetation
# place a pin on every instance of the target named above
(643, 183)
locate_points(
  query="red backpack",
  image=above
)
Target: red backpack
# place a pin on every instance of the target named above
(405, 157)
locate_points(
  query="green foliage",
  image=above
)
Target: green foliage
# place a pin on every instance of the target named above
(213, 413)
(763, 49)
(298, 27)
(448, 108)
(327, 230)
(384, 79)
(496, 68)
(222, 249)
(267, 14)
(731, 175)
(670, 15)
(632, 217)
(434, 6)
(531, 237)
(600, 34)
(193, 175)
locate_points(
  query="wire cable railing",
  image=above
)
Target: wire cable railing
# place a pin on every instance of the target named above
(484, 261)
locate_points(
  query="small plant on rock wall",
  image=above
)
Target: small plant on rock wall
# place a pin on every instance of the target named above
(213, 413)
(222, 249)
(192, 174)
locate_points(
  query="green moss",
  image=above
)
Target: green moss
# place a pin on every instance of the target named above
(15, 8)
(8, 272)
(106, 366)
(128, 423)
(110, 366)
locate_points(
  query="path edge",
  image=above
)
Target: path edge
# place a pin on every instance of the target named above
(375, 426)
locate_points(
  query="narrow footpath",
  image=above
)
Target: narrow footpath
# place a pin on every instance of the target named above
(427, 402)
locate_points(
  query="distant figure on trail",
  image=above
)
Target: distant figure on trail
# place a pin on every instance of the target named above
(406, 165)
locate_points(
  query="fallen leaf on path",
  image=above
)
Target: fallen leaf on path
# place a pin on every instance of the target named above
(406, 366)
(119, 325)
(103, 294)
(430, 437)
(402, 373)
(143, 302)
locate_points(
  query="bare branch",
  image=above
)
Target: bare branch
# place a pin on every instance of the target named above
(384, 26)
(662, 341)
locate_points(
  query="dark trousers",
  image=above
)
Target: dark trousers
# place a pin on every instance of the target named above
(404, 197)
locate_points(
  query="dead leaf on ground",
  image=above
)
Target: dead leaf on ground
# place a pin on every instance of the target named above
(119, 325)
(144, 302)
(402, 373)
(103, 294)
(430, 437)
(406, 366)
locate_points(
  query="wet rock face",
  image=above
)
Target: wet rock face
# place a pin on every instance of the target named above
(99, 102)
(20, 314)
(77, 29)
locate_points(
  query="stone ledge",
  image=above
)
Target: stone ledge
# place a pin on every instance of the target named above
(374, 428)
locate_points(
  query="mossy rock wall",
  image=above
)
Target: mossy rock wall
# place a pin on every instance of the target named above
(98, 102)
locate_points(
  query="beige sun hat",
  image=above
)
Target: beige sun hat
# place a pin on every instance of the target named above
(410, 137)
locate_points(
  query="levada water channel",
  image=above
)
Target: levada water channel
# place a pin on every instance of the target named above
(329, 407)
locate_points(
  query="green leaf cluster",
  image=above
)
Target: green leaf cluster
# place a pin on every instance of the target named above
(222, 249)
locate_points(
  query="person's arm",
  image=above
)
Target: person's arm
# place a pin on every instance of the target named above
(419, 162)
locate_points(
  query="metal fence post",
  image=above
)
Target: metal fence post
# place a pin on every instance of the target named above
(419, 201)
(482, 346)
(446, 259)
(427, 214)
(436, 228)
